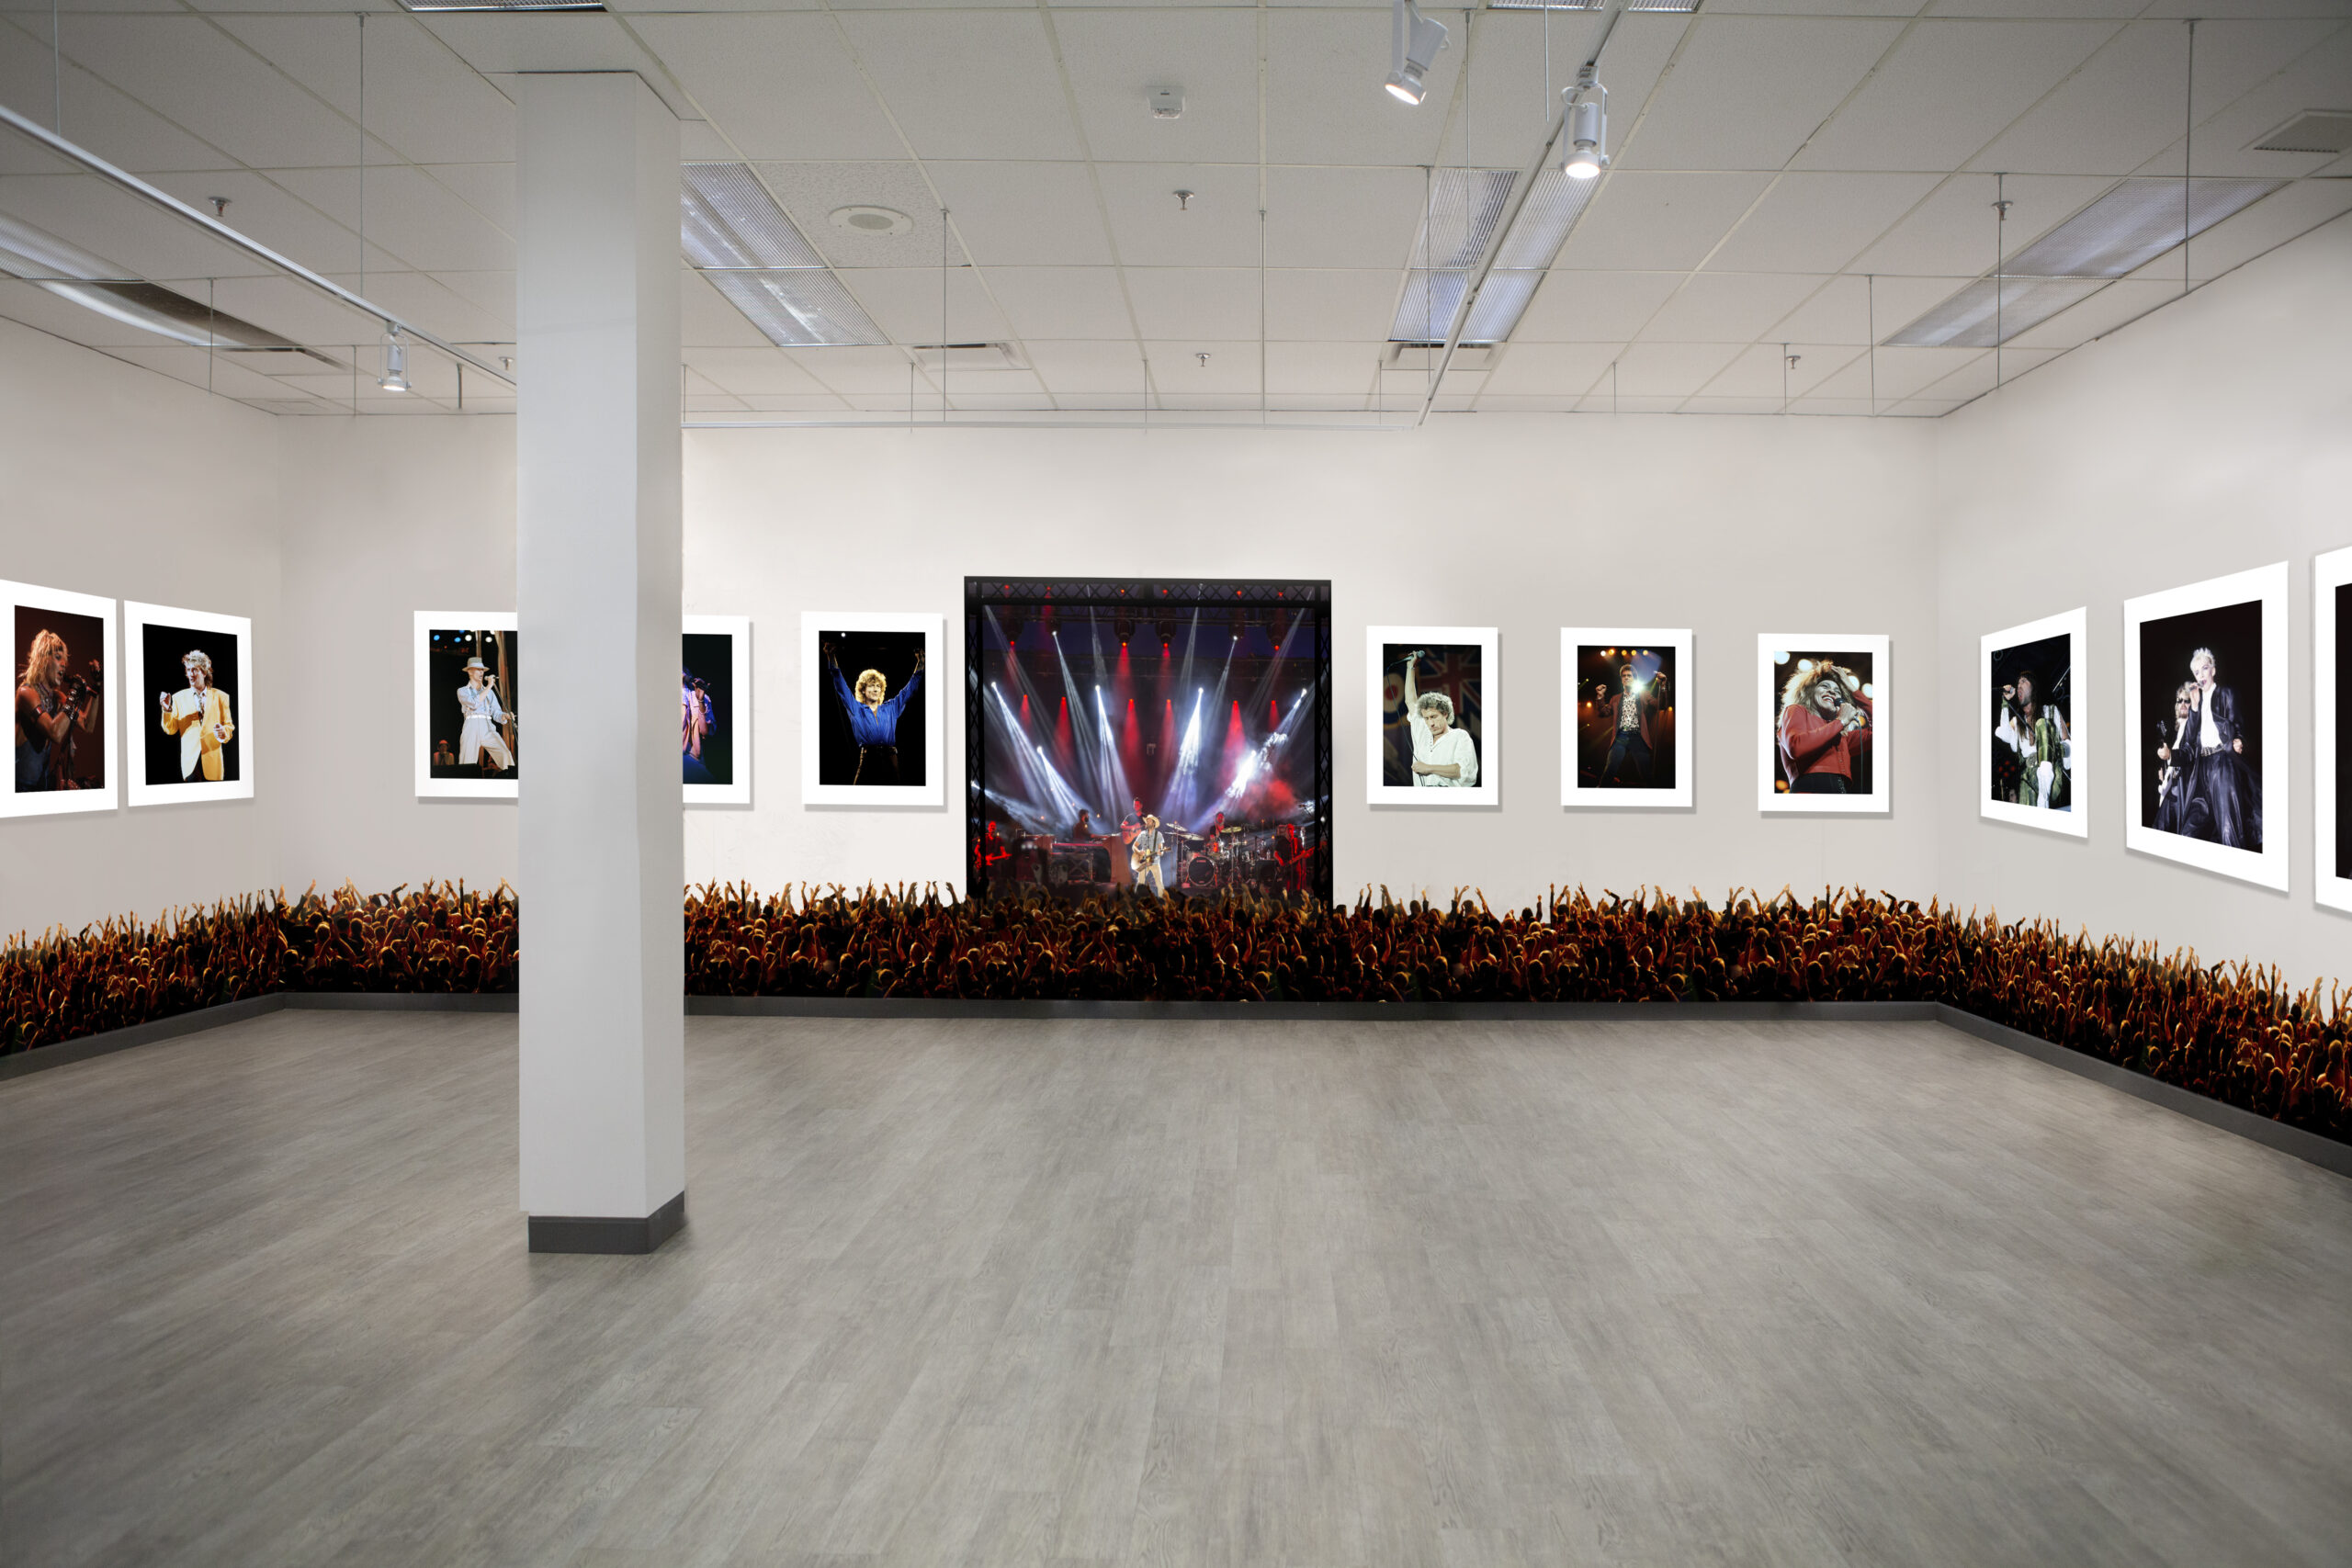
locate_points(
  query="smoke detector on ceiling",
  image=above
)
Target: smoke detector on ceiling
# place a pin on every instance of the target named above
(2314, 131)
(1167, 103)
(881, 222)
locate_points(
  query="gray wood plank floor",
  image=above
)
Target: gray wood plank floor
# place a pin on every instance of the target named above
(1212, 1293)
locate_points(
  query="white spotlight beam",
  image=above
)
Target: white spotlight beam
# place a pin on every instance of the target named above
(1519, 191)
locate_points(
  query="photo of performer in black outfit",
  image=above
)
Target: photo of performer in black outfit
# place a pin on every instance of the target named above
(2207, 778)
(1625, 716)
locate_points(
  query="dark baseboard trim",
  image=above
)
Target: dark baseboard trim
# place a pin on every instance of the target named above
(403, 1002)
(2325, 1153)
(1328, 1012)
(67, 1052)
(609, 1238)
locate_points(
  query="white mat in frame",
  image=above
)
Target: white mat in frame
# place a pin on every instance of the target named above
(501, 786)
(1487, 640)
(139, 717)
(815, 683)
(2331, 685)
(1774, 651)
(2074, 818)
(1678, 700)
(2267, 586)
(29, 596)
(736, 630)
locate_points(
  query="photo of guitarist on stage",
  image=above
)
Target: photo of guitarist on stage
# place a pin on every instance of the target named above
(1143, 738)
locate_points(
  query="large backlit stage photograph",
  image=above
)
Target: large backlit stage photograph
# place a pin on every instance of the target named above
(1145, 735)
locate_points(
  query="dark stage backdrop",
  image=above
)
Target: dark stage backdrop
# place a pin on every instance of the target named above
(1195, 697)
(893, 653)
(448, 650)
(709, 658)
(2343, 730)
(2051, 659)
(87, 656)
(2234, 634)
(1862, 664)
(1453, 670)
(1598, 679)
(162, 672)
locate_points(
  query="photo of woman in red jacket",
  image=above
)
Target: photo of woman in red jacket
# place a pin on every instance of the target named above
(1823, 729)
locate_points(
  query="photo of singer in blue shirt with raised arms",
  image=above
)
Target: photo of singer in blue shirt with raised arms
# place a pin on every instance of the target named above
(872, 711)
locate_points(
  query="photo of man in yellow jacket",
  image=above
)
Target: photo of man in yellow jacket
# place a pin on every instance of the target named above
(198, 715)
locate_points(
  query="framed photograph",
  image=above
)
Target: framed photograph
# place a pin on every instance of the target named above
(2332, 726)
(190, 727)
(2205, 686)
(715, 709)
(1431, 735)
(1827, 706)
(871, 727)
(469, 686)
(61, 656)
(2032, 698)
(1625, 716)
(1137, 737)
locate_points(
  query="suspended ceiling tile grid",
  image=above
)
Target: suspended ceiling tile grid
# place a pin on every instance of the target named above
(1793, 180)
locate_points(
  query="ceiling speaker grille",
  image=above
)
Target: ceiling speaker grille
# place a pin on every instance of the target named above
(2314, 131)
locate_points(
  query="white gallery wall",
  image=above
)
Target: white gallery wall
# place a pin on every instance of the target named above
(2211, 436)
(1729, 526)
(121, 484)
(385, 517)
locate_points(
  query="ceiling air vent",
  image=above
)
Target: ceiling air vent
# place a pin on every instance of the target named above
(968, 357)
(1423, 355)
(501, 4)
(2314, 131)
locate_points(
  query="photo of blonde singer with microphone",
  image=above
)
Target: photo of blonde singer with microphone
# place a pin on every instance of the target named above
(1432, 722)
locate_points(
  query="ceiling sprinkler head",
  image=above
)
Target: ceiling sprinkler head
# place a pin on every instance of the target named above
(1185, 200)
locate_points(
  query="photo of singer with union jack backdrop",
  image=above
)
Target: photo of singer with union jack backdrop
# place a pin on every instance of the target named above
(1430, 731)
(1150, 738)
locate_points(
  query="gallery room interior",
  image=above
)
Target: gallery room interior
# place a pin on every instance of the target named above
(1541, 783)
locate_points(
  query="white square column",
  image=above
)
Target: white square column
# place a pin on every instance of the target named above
(597, 575)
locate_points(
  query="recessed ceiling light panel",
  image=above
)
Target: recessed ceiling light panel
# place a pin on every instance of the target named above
(880, 222)
(1969, 320)
(2133, 224)
(728, 220)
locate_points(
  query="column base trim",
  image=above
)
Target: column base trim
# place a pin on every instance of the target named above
(616, 1237)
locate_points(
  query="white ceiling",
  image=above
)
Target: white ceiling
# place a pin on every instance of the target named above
(1792, 178)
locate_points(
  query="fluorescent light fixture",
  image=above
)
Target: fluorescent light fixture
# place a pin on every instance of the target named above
(1680, 7)
(2125, 229)
(751, 251)
(1414, 42)
(799, 308)
(1465, 205)
(728, 220)
(501, 4)
(395, 376)
(1967, 319)
(2133, 224)
(71, 273)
